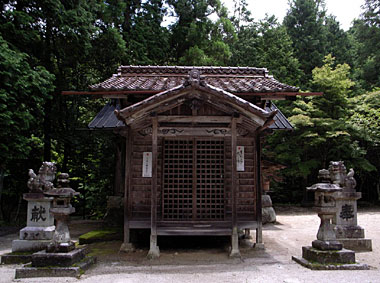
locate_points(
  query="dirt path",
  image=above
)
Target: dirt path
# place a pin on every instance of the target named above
(206, 260)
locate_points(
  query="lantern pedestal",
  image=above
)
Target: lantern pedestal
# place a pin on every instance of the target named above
(347, 230)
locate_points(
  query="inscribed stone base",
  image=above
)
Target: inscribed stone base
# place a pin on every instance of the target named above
(37, 233)
(38, 214)
(357, 245)
(29, 245)
(318, 266)
(328, 257)
(71, 271)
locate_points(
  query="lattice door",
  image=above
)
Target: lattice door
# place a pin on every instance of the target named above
(193, 179)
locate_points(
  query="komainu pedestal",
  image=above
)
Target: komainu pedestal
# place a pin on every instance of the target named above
(347, 230)
(40, 228)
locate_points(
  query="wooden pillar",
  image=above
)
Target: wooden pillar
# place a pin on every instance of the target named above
(127, 245)
(235, 237)
(154, 250)
(118, 182)
(259, 229)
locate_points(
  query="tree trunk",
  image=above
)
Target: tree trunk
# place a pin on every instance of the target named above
(378, 189)
(2, 175)
(47, 130)
(18, 210)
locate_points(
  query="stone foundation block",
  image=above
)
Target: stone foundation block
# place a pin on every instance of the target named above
(328, 257)
(357, 245)
(318, 266)
(15, 258)
(71, 271)
(29, 246)
(43, 259)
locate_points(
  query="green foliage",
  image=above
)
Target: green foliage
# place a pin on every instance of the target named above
(366, 116)
(49, 46)
(365, 123)
(321, 131)
(366, 41)
(304, 22)
(338, 42)
(196, 38)
(23, 89)
(267, 44)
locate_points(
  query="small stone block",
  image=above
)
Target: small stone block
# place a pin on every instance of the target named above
(15, 259)
(127, 247)
(235, 254)
(327, 245)
(66, 247)
(42, 258)
(318, 266)
(259, 246)
(328, 257)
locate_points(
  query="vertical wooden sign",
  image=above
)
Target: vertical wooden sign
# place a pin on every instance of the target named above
(147, 165)
(240, 158)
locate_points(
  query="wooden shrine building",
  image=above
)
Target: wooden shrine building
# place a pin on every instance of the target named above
(192, 146)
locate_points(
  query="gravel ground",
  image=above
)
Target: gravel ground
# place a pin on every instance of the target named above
(206, 260)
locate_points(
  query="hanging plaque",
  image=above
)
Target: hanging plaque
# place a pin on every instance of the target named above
(147, 164)
(240, 158)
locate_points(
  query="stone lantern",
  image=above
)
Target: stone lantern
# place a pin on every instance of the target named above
(327, 252)
(61, 209)
(325, 206)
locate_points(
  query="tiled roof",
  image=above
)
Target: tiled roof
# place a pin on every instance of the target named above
(106, 118)
(161, 78)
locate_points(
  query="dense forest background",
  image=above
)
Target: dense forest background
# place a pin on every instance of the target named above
(48, 46)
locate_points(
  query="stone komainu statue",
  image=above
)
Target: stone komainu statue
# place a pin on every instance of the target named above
(44, 180)
(339, 177)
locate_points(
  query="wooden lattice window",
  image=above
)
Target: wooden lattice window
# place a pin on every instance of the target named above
(193, 179)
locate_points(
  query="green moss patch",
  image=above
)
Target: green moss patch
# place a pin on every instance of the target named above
(100, 236)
